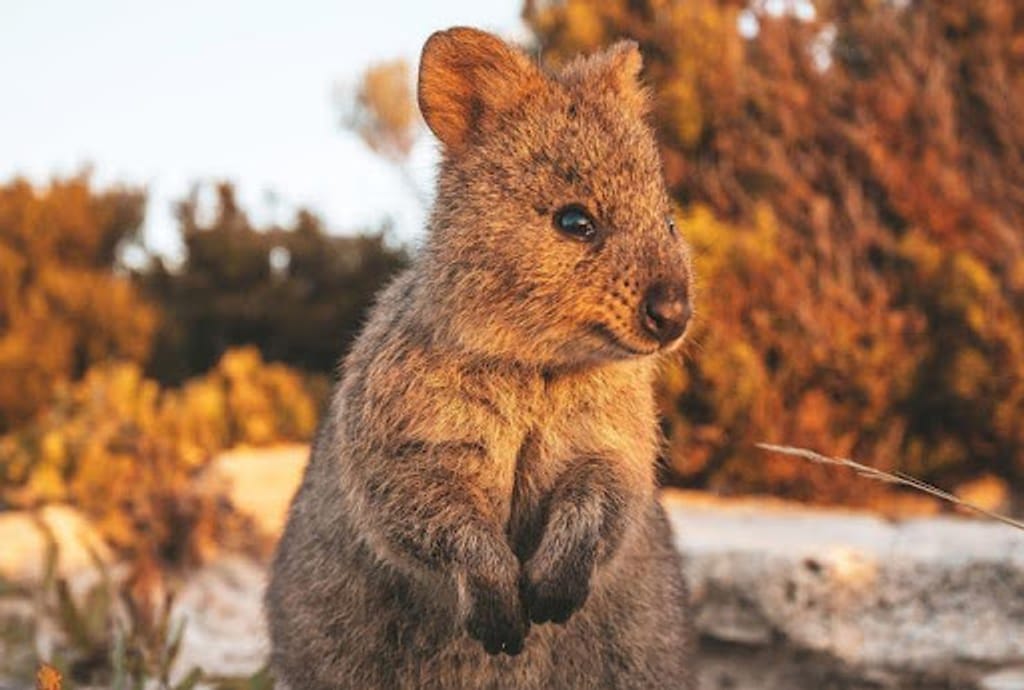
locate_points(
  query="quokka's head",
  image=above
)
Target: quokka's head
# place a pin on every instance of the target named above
(552, 239)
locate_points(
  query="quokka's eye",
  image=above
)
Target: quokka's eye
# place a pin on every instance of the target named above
(574, 221)
(671, 226)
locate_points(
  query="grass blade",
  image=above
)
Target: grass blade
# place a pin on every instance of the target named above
(891, 478)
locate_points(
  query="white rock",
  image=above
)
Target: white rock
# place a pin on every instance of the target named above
(222, 606)
(25, 544)
(260, 482)
(920, 596)
(1008, 679)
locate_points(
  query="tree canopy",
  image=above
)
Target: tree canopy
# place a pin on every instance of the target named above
(62, 303)
(852, 176)
(296, 292)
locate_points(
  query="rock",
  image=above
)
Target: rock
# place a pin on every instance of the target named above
(933, 597)
(1008, 679)
(259, 482)
(222, 607)
(26, 539)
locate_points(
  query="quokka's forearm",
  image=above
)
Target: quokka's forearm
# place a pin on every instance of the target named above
(589, 513)
(591, 507)
(423, 513)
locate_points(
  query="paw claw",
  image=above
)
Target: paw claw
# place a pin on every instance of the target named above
(499, 623)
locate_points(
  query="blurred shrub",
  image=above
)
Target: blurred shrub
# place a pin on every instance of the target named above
(84, 356)
(852, 179)
(67, 302)
(126, 451)
(63, 304)
(296, 293)
(382, 110)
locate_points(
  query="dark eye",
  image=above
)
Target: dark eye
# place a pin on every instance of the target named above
(575, 222)
(671, 226)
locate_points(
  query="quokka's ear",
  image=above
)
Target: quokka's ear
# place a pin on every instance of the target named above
(468, 76)
(617, 71)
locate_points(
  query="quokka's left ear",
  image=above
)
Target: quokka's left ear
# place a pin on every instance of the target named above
(467, 78)
(616, 70)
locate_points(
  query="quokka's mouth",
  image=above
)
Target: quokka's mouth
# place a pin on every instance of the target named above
(609, 336)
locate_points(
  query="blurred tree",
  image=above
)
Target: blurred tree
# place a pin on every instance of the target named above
(382, 111)
(64, 303)
(296, 293)
(854, 186)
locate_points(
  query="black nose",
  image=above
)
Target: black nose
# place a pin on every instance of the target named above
(665, 311)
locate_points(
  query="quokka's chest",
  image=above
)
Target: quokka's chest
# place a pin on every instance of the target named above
(626, 436)
(530, 497)
(533, 430)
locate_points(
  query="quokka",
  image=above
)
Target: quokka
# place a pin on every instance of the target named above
(479, 509)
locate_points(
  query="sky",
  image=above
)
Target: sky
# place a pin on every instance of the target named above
(167, 94)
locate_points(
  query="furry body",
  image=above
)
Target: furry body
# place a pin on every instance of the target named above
(479, 509)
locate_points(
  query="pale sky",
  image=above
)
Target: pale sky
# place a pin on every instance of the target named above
(168, 93)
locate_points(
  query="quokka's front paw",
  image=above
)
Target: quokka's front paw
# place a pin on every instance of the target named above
(555, 591)
(497, 620)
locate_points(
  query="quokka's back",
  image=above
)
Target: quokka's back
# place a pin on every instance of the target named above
(479, 509)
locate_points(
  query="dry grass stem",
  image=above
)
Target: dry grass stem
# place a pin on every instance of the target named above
(890, 478)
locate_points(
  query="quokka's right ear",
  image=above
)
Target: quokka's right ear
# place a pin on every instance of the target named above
(466, 78)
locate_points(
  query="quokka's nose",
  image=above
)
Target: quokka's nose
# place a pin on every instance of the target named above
(665, 311)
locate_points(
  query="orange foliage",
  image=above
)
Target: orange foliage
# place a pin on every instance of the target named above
(48, 678)
(127, 452)
(383, 111)
(62, 306)
(853, 185)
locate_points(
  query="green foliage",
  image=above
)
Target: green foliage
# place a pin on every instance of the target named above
(852, 185)
(296, 293)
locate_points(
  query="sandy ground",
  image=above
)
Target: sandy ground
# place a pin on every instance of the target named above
(785, 597)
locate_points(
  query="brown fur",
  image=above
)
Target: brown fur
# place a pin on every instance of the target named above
(487, 461)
